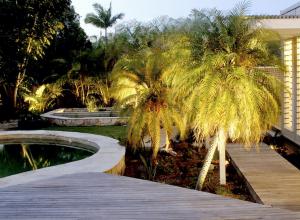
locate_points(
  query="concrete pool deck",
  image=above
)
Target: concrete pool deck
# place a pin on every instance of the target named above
(109, 155)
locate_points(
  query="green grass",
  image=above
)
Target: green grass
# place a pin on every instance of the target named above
(116, 132)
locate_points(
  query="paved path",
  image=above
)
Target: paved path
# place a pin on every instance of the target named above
(102, 196)
(272, 179)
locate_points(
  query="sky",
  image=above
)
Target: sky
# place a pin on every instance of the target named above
(147, 10)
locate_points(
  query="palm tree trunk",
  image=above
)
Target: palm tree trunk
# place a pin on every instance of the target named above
(106, 39)
(167, 142)
(218, 140)
(207, 143)
(222, 162)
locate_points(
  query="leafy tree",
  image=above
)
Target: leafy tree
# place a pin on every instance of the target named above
(69, 44)
(34, 25)
(141, 35)
(229, 98)
(103, 18)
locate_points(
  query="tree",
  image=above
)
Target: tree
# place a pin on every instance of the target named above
(64, 50)
(232, 102)
(231, 99)
(103, 18)
(32, 29)
(140, 87)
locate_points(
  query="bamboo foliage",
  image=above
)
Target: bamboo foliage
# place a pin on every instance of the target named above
(87, 89)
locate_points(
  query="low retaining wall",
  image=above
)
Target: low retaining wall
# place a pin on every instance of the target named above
(109, 155)
(81, 117)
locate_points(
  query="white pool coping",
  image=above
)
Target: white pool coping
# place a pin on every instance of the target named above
(108, 154)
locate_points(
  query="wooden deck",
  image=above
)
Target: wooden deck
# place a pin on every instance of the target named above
(272, 179)
(101, 196)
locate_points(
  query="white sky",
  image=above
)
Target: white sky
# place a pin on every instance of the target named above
(146, 10)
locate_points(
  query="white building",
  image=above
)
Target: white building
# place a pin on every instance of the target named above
(288, 26)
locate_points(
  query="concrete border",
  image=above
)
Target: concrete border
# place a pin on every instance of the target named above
(54, 118)
(109, 155)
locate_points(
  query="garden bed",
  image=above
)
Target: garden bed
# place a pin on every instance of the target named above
(180, 170)
(183, 170)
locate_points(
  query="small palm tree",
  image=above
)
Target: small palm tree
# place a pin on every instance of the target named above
(44, 97)
(229, 98)
(103, 18)
(232, 103)
(140, 87)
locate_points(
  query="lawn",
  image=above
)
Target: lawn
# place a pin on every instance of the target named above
(116, 132)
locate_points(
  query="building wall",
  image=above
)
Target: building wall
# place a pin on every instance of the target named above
(290, 125)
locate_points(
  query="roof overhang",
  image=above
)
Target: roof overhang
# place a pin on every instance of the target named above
(286, 27)
(291, 8)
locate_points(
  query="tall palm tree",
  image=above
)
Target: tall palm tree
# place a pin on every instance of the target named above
(103, 18)
(140, 87)
(230, 98)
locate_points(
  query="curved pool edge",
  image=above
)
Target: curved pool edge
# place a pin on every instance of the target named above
(109, 156)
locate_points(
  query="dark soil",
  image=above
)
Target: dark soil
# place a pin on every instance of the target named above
(183, 170)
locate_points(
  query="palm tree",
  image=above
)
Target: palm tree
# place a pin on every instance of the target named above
(232, 102)
(230, 98)
(140, 87)
(103, 18)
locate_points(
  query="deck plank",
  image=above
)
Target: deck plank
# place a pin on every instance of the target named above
(272, 178)
(102, 196)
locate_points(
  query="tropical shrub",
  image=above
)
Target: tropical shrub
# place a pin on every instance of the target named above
(43, 98)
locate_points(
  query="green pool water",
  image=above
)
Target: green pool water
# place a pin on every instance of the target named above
(21, 157)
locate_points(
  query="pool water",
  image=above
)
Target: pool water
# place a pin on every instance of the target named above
(22, 157)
